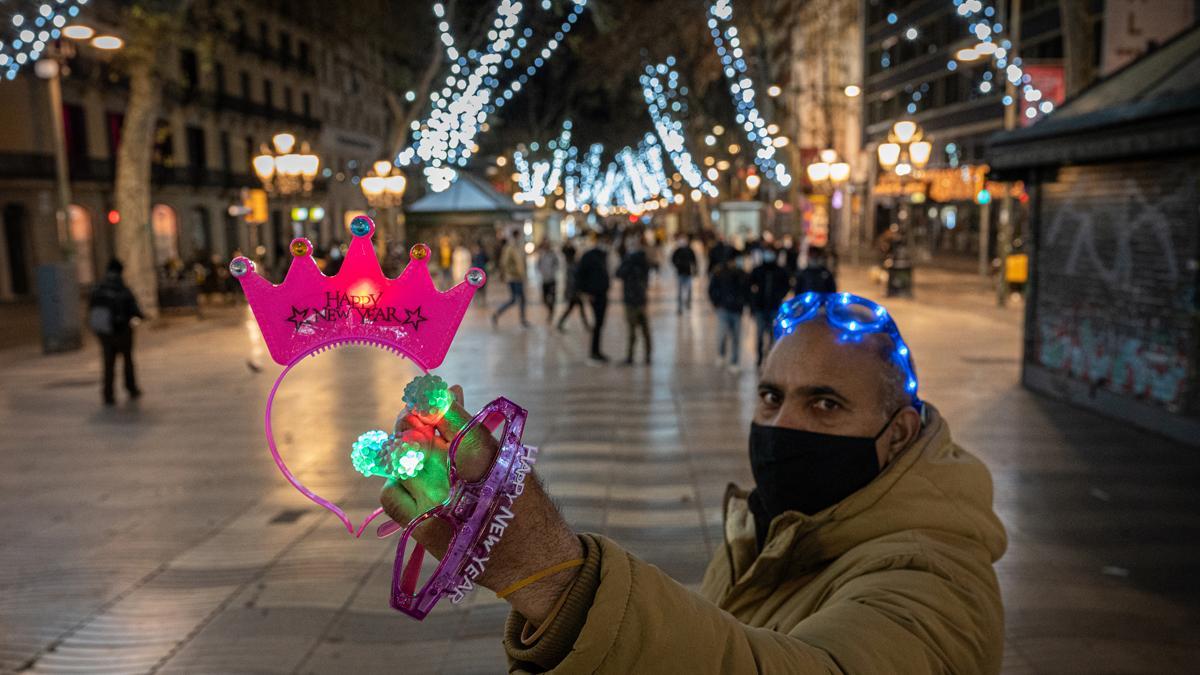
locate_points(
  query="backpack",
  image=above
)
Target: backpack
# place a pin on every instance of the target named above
(100, 320)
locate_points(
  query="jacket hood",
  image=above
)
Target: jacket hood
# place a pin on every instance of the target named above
(935, 485)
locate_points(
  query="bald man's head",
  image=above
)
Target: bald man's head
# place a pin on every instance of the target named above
(813, 380)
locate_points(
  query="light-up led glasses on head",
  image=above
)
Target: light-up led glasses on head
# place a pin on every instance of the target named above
(477, 513)
(854, 317)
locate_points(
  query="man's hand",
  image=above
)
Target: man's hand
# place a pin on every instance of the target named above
(537, 538)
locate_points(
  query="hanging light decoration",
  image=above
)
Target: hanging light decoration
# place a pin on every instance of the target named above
(741, 88)
(446, 138)
(663, 93)
(26, 36)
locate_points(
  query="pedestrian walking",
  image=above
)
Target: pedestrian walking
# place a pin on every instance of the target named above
(721, 251)
(683, 259)
(512, 271)
(571, 295)
(593, 280)
(634, 273)
(816, 276)
(769, 285)
(727, 289)
(111, 311)
(547, 266)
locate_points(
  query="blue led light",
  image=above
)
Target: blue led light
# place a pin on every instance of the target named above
(804, 308)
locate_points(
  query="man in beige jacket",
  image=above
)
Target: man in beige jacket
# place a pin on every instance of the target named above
(866, 547)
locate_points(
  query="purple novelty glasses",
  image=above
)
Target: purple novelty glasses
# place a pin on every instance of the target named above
(477, 513)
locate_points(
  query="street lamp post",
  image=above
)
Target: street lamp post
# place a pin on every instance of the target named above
(58, 281)
(828, 176)
(905, 153)
(283, 171)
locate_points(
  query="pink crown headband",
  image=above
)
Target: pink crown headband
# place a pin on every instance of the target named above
(309, 313)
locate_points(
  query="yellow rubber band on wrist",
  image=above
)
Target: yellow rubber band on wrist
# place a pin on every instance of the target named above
(538, 576)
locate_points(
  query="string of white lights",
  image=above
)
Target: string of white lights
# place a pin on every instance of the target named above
(446, 138)
(985, 27)
(31, 34)
(635, 181)
(543, 56)
(741, 88)
(658, 97)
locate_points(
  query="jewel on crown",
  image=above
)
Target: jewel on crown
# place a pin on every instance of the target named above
(310, 312)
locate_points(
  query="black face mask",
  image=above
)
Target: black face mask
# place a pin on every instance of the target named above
(806, 471)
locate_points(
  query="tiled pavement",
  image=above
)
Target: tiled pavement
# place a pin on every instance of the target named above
(159, 536)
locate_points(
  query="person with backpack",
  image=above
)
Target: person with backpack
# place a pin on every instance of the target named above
(111, 310)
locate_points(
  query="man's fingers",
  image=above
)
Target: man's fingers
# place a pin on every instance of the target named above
(397, 502)
(456, 416)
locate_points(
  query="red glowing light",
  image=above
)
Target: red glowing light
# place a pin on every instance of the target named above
(114, 217)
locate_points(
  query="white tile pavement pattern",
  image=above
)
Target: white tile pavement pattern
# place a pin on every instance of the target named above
(159, 537)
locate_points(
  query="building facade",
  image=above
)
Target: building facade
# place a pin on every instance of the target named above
(1113, 317)
(913, 70)
(241, 74)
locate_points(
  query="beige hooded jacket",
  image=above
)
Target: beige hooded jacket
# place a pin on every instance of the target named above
(896, 578)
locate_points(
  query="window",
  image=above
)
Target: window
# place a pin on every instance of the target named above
(287, 99)
(226, 153)
(219, 77)
(268, 94)
(164, 146)
(246, 88)
(264, 35)
(285, 46)
(306, 104)
(75, 126)
(189, 69)
(197, 153)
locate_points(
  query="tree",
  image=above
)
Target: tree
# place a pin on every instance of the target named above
(147, 24)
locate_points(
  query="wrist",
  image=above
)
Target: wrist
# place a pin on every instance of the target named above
(537, 540)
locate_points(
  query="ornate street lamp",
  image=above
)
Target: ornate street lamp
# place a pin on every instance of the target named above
(286, 172)
(384, 189)
(828, 176)
(905, 151)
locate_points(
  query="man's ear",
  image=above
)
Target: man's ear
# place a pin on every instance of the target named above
(905, 429)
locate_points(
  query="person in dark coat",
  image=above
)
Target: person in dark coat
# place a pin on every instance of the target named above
(684, 261)
(815, 278)
(728, 289)
(720, 252)
(571, 296)
(769, 285)
(111, 309)
(634, 273)
(592, 280)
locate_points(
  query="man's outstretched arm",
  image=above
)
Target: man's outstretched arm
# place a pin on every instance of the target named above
(622, 615)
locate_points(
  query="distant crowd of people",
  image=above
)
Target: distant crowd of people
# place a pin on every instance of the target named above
(755, 279)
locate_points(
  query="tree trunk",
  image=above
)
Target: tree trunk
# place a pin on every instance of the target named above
(1078, 46)
(133, 183)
